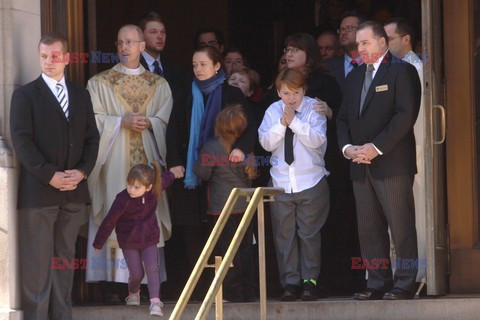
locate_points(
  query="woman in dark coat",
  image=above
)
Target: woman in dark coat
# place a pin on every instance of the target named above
(192, 124)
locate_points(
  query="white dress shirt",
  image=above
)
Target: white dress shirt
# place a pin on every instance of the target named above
(309, 146)
(150, 60)
(52, 84)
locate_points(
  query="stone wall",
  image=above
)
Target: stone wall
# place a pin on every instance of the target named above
(19, 64)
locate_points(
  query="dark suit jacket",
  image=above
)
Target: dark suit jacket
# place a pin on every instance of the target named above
(45, 142)
(337, 68)
(386, 120)
(176, 77)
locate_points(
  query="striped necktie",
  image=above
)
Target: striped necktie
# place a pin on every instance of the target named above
(62, 99)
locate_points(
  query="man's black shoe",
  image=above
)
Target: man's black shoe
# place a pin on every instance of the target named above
(398, 294)
(290, 293)
(369, 294)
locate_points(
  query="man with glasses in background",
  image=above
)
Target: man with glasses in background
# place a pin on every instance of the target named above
(341, 66)
(132, 107)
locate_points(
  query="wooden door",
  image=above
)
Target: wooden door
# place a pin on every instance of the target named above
(434, 147)
(461, 28)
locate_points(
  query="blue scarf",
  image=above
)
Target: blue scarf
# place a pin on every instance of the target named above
(202, 121)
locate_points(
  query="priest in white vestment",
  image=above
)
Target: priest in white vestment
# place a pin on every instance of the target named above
(132, 107)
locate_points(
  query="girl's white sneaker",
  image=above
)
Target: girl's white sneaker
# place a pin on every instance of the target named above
(133, 299)
(156, 309)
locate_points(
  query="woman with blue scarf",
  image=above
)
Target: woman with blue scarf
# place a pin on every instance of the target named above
(191, 124)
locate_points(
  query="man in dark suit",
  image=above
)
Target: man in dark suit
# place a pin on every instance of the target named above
(55, 137)
(375, 131)
(155, 39)
(341, 66)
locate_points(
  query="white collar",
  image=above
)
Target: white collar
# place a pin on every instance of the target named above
(52, 82)
(134, 72)
(149, 59)
(377, 63)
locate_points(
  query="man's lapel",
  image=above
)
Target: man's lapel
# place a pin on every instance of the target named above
(72, 99)
(45, 91)
(379, 75)
(358, 76)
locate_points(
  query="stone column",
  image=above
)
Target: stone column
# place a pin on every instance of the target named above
(19, 64)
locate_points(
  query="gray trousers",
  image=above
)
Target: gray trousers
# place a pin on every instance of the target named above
(47, 234)
(296, 222)
(383, 203)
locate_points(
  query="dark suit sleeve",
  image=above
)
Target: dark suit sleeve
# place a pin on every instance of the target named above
(22, 132)
(407, 104)
(174, 130)
(247, 140)
(333, 96)
(343, 131)
(92, 138)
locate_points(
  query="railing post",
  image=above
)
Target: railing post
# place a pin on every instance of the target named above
(220, 274)
(219, 297)
(206, 252)
(262, 274)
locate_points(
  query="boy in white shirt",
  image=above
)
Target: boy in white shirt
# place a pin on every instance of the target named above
(296, 135)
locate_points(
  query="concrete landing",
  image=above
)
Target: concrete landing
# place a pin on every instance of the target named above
(441, 308)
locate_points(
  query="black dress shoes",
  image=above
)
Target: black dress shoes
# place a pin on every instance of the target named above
(369, 294)
(398, 294)
(290, 293)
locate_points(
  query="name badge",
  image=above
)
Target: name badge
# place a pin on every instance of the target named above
(381, 88)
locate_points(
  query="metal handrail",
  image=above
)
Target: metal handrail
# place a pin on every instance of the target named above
(258, 195)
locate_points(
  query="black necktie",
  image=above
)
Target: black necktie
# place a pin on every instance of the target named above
(157, 69)
(289, 145)
(354, 63)
(366, 84)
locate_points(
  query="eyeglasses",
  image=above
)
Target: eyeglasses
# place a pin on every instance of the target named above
(346, 29)
(129, 43)
(291, 50)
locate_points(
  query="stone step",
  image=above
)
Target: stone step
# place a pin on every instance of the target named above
(438, 308)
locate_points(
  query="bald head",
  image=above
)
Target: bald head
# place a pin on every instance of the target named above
(130, 43)
(133, 27)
